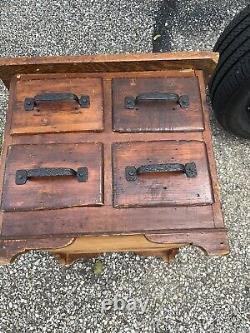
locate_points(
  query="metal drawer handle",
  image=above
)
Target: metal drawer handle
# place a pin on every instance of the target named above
(131, 172)
(130, 102)
(31, 102)
(23, 175)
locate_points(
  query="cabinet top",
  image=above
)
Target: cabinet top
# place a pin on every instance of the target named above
(10, 67)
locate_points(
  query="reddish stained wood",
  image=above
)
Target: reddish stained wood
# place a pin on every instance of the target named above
(107, 220)
(53, 192)
(157, 116)
(205, 61)
(104, 220)
(58, 116)
(107, 137)
(217, 209)
(10, 249)
(6, 142)
(159, 189)
(213, 241)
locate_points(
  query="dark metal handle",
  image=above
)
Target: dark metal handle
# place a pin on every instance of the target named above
(131, 102)
(131, 172)
(31, 102)
(23, 175)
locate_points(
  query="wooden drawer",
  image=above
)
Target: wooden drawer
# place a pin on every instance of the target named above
(40, 177)
(49, 104)
(163, 104)
(163, 173)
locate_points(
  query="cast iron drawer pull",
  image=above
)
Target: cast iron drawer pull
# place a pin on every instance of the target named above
(131, 102)
(132, 172)
(30, 103)
(23, 175)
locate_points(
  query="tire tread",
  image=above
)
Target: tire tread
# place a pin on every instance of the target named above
(232, 74)
(235, 27)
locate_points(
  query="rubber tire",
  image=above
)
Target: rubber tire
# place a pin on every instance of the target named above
(229, 87)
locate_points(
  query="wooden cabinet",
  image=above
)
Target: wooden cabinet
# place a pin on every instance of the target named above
(106, 147)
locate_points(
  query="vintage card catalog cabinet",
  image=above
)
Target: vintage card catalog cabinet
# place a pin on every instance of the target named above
(109, 153)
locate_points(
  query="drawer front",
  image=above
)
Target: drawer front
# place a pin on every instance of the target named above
(157, 105)
(53, 176)
(164, 173)
(57, 105)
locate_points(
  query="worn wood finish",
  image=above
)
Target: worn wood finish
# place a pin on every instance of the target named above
(179, 219)
(217, 210)
(10, 249)
(161, 189)
(62, 116)
(213, 241)
(104, 220)
(205, 61)
(157, 116)
(53, 192)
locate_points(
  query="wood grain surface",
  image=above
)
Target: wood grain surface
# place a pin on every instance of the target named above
(213, 241)
(63, 116)
(53, 192)
(157, 116)
(205, 61)
(79, 221)
(152, 205)
(10, 249)
(159, 189)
